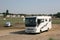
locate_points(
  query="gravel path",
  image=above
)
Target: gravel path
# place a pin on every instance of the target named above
(18, 34)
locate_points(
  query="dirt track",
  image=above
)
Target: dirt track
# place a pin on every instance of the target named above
(18, 34)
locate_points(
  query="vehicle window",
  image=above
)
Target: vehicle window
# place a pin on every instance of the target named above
(45, 19)
(38, 21)
(42, 20)
(49, 19)
(29, 22)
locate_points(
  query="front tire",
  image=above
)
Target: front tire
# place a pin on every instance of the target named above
(47, 30)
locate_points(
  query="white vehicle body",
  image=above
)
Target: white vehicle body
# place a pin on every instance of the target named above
(36, 24)
(8, 24)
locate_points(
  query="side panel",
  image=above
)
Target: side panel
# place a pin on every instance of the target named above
(50, 25)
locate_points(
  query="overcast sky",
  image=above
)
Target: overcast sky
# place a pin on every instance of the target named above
(30, 6)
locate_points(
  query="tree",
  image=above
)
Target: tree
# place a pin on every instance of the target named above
(57, 15)
(50, 15)
(7, 13)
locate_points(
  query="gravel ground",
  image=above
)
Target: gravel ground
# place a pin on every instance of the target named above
(19, 34)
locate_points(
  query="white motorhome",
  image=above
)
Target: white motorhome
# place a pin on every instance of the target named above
(37, 24)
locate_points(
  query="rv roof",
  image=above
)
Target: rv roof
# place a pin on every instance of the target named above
(43, 16)
(39, 16)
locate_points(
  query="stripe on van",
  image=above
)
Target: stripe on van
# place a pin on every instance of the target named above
(44, 25)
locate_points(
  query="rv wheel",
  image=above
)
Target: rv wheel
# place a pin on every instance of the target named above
(41, 31)
(47, 29)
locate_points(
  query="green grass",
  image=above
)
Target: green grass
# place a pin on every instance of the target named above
(51, 39)
(20, 20)
(56, 21)
(12, 20)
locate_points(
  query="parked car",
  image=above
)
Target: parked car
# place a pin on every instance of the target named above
(8, 24)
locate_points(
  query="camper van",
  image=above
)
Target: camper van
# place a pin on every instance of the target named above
(37, 24)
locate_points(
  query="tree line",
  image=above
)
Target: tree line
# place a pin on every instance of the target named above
(57, 15)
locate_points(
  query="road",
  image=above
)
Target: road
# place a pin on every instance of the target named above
(19, 34)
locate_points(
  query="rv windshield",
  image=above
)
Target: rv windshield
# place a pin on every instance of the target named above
(30, 22)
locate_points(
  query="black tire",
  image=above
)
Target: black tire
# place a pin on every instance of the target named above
(41, 31)
(47, 30)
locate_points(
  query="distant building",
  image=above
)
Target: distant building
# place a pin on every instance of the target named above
(16, 15)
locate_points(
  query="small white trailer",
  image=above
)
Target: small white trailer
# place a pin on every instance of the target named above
(37, 24)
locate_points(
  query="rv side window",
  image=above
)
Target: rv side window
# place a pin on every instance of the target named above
(49, 19)
(38, 21)
(42, 20)
(45, 19)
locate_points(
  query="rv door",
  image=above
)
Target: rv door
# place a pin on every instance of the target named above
(39, 21)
